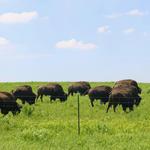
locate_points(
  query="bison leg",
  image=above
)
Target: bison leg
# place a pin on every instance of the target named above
(101, 102)
(124, 108)
(109, 105)
(105, 101)
(62, 100)
(92, 100)
(52, 98)
(4, 111)
(41, 97)
(69, 93)
(131, 108)
(23, 101)
(37, 97)
(114, 107)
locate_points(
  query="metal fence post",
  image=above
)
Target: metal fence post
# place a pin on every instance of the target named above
(78, 101)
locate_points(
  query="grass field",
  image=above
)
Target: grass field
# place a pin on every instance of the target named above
(54, 125)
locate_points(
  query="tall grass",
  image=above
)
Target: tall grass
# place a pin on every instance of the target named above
(47, 125)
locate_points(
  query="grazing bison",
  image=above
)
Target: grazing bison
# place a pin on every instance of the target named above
(85, 83)
(53, 90)
(99, 92)
(81, 87)
(128, 82)
(25, 94)
(132, 88)
(8, 103)
(124, 96)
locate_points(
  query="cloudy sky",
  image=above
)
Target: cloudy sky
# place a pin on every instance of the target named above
(72, 40)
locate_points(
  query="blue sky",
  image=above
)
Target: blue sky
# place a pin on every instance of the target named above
(72, 40)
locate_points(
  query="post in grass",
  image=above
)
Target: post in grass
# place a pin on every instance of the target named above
(78, 101)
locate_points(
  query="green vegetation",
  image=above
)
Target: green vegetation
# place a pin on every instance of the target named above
(54, 125)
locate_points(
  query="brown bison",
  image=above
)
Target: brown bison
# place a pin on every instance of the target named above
(124, 96)
(53, 90)
(99, 93)
(81, 87)
(8, 103)
(25, 94)
(132, 88)
(85, 83)
(128, 82)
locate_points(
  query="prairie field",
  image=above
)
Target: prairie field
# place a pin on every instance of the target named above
(53, 125)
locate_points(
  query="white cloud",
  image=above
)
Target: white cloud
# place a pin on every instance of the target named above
(129, 30)
(3, 42)
(136, 12)
(103, 29)
(114, 16)
(74, 44)
(145, 34)
(12, 17)
(133, 12)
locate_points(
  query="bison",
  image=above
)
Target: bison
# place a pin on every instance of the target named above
(128, 82)
(81, 87)
(53, 90)
(124, 96)
(85, 83)
(8, 103)
(25, 94)
(99, 92)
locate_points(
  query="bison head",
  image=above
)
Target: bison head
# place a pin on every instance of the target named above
(86, 92)
(16, 93)
(64, 97)
(31, 99)
(138, 100)
(139, 90)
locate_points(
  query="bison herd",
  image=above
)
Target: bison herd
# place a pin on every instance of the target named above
(124, 93)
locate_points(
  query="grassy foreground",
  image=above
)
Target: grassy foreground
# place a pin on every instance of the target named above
(54, 125)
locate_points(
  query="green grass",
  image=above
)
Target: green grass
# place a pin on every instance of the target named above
(54, 125)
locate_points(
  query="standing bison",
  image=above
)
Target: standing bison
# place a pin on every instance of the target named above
(99, 93)
(128, 82)
(124, 96)
(79, 87)
(25, 94)
(53, 90)
(8, 103)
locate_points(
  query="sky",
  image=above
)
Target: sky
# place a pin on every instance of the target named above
(74, 40)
